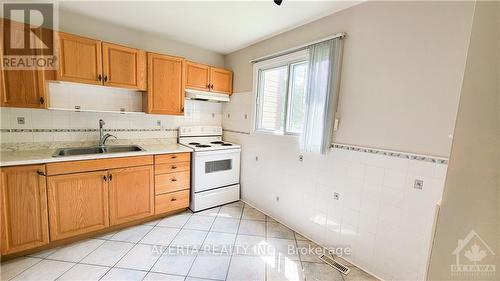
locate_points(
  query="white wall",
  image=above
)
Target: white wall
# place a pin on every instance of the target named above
(471, 196)
(401, 81)
(386, 222)
(98, 29)
(402, 71)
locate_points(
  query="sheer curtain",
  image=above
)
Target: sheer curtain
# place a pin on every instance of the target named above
(321, 95)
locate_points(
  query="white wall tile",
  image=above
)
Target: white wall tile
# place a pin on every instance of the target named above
(379, 212)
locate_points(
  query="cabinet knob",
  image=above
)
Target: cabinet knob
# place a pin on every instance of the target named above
(212, 86)
(99, 77)
(174, 179)
(40, 173)
(174, 156)
(42, 100)
(104, 178)
(174, 167)
(106, 78)
(208, 86)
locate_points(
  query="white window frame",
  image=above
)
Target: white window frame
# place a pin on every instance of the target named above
(284, 60)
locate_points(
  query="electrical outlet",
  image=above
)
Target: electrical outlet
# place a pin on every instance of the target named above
(256, 158)
(246, 116)
(20, 120)
(419, 184)
(301, 158)
(228, 115)
(336, 196)
(277, 198)
(158, 122)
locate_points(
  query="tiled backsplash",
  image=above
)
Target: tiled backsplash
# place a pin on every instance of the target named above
(46, 126)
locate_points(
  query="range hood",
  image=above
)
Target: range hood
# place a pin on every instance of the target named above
(206, 96)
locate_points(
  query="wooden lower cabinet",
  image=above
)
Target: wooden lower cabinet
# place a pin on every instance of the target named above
(78, 203)
(171, 201)
(23, 208)
(131, 194)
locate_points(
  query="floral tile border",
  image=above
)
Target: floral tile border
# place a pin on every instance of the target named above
(404, 155)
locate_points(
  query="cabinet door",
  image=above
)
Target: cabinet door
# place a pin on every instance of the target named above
(197, 76)
(131, 194)
(221, 80)
(78, 203)
(23, 207)
(24, 88)
(165, 85)
(80, 59)
(123, 66)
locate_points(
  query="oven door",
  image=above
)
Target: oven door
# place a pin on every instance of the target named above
(214, 169)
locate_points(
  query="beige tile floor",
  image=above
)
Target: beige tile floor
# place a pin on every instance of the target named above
(233, 242)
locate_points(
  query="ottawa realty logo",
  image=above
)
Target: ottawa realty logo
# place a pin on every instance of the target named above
(28, 36)
(473, 257)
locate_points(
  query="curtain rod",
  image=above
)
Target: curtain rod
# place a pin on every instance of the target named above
(298, 48)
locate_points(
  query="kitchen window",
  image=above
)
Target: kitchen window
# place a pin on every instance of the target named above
(280, 96)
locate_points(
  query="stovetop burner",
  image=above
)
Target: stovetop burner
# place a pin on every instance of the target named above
(194, 143)
(226, 144)
(217, 142)
(203, 145)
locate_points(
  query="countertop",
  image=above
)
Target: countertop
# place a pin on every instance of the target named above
(27, 157)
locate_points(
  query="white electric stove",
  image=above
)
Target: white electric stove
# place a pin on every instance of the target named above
(215, 167)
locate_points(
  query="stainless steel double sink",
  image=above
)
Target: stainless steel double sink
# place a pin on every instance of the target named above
(75, 151)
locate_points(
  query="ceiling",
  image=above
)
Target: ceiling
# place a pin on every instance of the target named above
(220, 26)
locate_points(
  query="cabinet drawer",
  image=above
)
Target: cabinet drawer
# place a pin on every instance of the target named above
(171, 201)
(171, 182)
(172, 168)
(172, 158)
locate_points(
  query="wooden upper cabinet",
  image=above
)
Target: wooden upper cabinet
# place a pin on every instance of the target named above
(206, 78)
(123, 66)
(221, 80)
(197, 76)
(23, 208)
(78, 203)
(165, 85)
(80, 59)
(131, 194)
(24, 88)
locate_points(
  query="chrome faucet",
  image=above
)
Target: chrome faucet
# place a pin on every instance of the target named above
(103, 138)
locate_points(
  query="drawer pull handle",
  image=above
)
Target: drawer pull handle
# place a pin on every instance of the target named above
(104, 178)
(173, 199)
(40, 173)
(173, 157)
(174, 179)
(174, 167)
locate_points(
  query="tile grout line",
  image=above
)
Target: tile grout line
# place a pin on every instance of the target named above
(113, 266)
(197, 253)
(41, 259)
(237, 233)
(170, 243)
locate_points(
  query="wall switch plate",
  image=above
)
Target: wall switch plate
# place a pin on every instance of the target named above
(336, 196)
(419, 184)
(228, 115)
(20, 120)
(158, 122)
